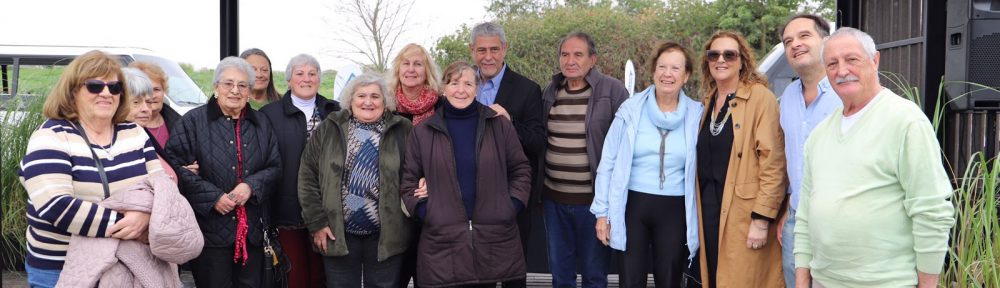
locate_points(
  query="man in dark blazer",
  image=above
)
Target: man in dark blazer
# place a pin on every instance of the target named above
(515, 97)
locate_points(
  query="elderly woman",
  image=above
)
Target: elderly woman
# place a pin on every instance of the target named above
(294, 118)
(414, 81)
(739, 198)
(477, 180)
(160, 117)
(263, 88)
(645, 187)
(238, 155)
(141, 89)
(64, 167)
(349, 188)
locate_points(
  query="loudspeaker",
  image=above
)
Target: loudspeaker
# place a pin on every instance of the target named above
(973, 53)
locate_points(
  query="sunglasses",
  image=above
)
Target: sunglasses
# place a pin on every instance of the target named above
(729, 55)
(97, 86)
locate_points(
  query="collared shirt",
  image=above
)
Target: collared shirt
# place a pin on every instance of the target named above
(798, 121)
(488, 90)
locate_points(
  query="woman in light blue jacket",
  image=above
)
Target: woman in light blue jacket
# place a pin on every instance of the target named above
(645, 186)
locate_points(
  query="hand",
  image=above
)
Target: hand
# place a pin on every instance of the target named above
(757, 237)
(421, 191)
(132, 225)
(193, 167)
(802, 278)
(781, 226)
(241, 194)
(320, 237)
(925, 280)
(225, 204)
(603, 230)
(500, 111)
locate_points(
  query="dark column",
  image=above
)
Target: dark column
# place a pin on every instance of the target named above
(229, 28)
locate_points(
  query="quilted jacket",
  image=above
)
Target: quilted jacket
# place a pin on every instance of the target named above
(206, 135)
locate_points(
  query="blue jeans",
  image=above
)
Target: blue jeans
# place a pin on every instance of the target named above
(572, 237)
(787, 247)
(41, 278)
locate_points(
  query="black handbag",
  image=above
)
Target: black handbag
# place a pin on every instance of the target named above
(276, 264)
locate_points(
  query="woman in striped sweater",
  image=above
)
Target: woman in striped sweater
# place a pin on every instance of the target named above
(85, 143)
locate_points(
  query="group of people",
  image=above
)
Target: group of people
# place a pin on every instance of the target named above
(432, 176)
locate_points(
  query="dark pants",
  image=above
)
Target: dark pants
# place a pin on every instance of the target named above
(307, 266)
(657, 222)
(409, 270)
(361, 263)
(572, 237)
(524, 227)
(215, 267)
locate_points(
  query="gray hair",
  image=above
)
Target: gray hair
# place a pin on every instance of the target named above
(866, 41)
(487, 29)
(233, 62)
(591, 47)
(302, 60)
(368, 78)
(139, 84)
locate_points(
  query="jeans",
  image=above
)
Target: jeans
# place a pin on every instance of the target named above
(361, 265)
(787, 247)
(571, 237)
(41, 278)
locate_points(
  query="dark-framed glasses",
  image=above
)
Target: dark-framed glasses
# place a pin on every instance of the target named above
(97, 86)
(729, 55)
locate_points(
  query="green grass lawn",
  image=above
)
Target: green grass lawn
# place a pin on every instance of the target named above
(41, 79)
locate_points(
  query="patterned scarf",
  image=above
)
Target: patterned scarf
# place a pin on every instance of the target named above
(421, 108)
(361, 178)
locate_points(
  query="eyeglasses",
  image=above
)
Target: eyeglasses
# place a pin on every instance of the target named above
(227, 86)
(729, 55)
(97, 86)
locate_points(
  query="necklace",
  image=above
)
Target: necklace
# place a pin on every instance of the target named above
(107, 151)
(716, 128)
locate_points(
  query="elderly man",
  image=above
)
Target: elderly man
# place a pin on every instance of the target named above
(874, 208)
(580, 104)
(515, 97)
(804, 104)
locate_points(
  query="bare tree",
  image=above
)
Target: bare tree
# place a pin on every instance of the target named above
(371, 30)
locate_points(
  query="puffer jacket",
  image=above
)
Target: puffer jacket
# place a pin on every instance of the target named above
(454, 249)
(321, 177)
(289, 124)
(205, 135)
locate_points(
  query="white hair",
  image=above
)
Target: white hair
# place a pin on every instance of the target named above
(302, 60)
(487, 29)
(866, 40)
(233, 62)
(138, 82)
(369, 78)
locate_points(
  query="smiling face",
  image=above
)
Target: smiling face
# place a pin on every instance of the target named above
(262, 69)
(852, 73)
(488, 52)
(413, 71)
(304, 82)
(367, 103)
(575, 59)
(461, 89)
(232, 91)
(721, 69)
(670, 73)
(97, 106)
(802, 44)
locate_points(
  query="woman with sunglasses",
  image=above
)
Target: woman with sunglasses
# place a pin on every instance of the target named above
(63, 169)
(240, 163)
(741, 166)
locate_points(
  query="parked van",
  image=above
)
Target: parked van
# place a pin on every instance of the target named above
(182, 94)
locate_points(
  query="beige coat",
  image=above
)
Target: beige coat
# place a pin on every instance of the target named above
(756, 176)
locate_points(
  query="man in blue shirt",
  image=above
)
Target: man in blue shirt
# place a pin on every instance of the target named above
(805, 103)
(517, 98)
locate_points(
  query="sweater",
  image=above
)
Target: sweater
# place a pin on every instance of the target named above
(879, 197)
(462, 128)
(645, 176)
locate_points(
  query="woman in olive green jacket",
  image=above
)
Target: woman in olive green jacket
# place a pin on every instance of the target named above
(349, 188)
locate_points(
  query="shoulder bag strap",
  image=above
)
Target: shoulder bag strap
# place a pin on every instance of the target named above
(97, 161)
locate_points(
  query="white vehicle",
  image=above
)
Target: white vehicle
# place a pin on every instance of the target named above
(183, 94)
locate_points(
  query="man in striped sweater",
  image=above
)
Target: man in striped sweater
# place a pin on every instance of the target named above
(580, 104)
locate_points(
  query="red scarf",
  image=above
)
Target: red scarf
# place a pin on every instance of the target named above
(241, 211)
(421, 108)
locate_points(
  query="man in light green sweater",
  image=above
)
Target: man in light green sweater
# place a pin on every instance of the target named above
(874, 208)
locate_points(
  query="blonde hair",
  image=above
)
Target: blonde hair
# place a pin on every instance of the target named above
(431, 70)
(748, 72)
(154, 72)
(61, 104)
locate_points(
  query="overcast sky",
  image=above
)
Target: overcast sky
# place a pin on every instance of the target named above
(187, 31)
